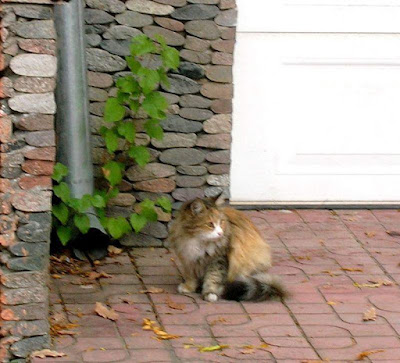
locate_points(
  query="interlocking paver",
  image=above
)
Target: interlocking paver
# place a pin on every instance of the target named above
(321, 256)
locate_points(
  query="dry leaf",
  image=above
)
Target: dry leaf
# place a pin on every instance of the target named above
(56, 276)
(94, 275)
(67, 332)
(331, 302)
(161, 334)
(105, 312)
(153, 290)
(356, 269)
(384, 282)
(47, 353)
(370, 234)
(213, 348)
(218, 320)
(112, 250)
(367, 353)
(330, 273)
(366, 285)
(174, 305)
(370, 314)
(393, 233)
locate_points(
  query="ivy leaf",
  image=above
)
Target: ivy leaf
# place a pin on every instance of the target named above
(62, 191)
(134, 105)
(127, 130)
(113, 172)
(164, 78)
(127, 84)
(138, 222)
(59, 172)
(64, 233)
(118, 227)
(140, 154)
(153, 129)
(142, 44)
(61, 212)
(122, 97)
(113, 111)
(165, 204)
(161, 40)
(98, 201)
(154, 103)
(147, 210)
(133, 64)
(112, 193)
(149, 79)
(85, 203)
(111, 139)
(82, 222)
(170, 58)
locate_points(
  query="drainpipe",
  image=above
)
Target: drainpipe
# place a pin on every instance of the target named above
(72, 119)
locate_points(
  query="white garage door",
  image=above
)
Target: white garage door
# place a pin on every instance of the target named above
(317, 103)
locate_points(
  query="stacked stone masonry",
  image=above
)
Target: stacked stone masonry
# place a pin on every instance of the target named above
(27, 152)
(193, 159)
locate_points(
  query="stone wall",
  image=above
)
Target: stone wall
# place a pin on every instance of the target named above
(28, 69)
(193, 158)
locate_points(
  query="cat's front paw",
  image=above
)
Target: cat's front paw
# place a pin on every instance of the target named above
(211, 297)
(183, 288)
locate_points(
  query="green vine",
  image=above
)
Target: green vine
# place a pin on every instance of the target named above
(136, 95)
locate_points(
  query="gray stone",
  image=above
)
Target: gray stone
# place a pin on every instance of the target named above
(34, 103)
(171, 98)
(194, 101)
(93, 40)
(32, 201)
(149, 7)
(182, 85)
(95, 29)
(197, 114)
(208, 2)
(150, 171)
(101, 61)
(34, 65)
(178, 124)
(41, 138)
(134, 19)
(42, 218)
(121, 32)
(140, 240)
(216, 141)
(219, 157)
(36, 29)
(185, 194)
(172, 2)
(118, 47)
(112, 6)
(33, 11)
(218, 124)
(226, 46)
(182, 156)
(227, 18)
(195, 12)
(192, 170)
(217, 191)
(34, 232)
(171, 140)
(34, 84)
(191, 70)
(220, 74)
(218, 180)
(197, 44)
(155, 229)
(190, 181)
(27, 311)
(100, 80)
(152, 196)
(97, 94)
(36, 263)
(205, 29)
(222, 106)
(26, 346)
(17, 280)
(30, 328)
(219, 169)
(171, 38)
(95, 16)
(196, 57)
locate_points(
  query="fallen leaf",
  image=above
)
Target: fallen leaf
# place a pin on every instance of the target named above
(47, 353)
(161, 334)
(356, 269)
(356, 284)
(56, 276)
(67, 332)
(370, 234)
(105, 312)
(152, 290)
(174, 305)
(112, 250)
(217, 321)
(94, 275)
(384, 282)
(330, 273)
(393, 233)
(331, 303)
(367, 353)
(370, 314)
(213, 348)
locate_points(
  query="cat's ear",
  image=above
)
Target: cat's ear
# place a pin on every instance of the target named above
(219, 200)
(197, 206)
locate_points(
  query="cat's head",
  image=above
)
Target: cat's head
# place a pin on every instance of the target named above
(204, 219)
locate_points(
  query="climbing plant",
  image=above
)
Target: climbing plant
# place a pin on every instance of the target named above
(136, 96)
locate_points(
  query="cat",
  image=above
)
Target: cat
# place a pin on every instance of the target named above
(222, 254)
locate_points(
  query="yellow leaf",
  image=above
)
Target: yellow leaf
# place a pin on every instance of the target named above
(55, 276)
(384, 282)
(112, 250)
(367, 353)
(370, 314)
(47, 353)
(357, 269)
(366, 285)
(331, 302)
(105, 312)
(217, 321)
(174, 305)
(370, 234)
(152, 290)
(213, 348)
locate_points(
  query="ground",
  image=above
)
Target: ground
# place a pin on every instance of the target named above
(336, 264)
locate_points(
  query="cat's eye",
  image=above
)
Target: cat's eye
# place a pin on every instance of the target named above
(210, 224)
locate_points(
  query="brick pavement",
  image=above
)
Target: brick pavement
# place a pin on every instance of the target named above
(329, 260)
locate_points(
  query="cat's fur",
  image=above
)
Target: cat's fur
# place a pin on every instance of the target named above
(222, 254)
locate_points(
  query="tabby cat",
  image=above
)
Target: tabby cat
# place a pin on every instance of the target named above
(222, 253)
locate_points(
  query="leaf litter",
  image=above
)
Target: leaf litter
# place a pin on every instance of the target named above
(160, 334)
(105, 312)
(370, 314)
(367, 353)
(47, 353)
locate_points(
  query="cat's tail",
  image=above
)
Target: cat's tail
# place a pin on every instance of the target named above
(258, 287)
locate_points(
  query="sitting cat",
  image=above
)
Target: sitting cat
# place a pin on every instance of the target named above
(222, 253)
